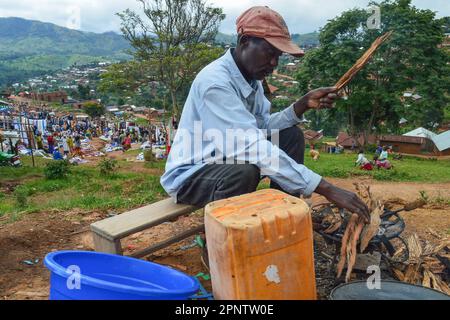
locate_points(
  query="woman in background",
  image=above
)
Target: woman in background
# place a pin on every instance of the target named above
(362, 161)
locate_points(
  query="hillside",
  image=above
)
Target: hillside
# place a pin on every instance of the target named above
(29, 48)
(304, 40)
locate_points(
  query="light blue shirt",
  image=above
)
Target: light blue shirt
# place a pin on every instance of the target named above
(222, 101)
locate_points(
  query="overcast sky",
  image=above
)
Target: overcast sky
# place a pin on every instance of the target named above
(302, 16)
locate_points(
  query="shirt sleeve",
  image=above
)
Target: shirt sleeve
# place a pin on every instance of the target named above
(223, 113)
(278, 120)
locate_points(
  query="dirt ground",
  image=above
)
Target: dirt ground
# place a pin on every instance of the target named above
(40, 233)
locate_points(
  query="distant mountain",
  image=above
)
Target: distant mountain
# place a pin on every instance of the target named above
(29, 48)
(304, 40)
(223, 38)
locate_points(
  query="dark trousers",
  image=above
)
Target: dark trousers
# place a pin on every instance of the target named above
(220, 181)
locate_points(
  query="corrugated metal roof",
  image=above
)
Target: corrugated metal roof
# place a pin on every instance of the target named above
(421, 132)
(442, 141)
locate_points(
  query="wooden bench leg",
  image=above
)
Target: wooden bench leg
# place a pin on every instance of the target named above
(102, 244)
(168, 242)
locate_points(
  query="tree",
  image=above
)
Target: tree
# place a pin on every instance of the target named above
(84, 92)
(412, 61)
(93, 109)
(132, 79)
(173, 40)
(123, 79)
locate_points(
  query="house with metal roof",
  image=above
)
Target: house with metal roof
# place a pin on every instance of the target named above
(442, 143)
(421, 132)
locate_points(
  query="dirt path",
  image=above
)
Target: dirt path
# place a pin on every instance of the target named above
(40, 233)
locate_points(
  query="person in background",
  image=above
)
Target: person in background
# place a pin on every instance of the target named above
(39, 142)
(379, 150)
(122, 136)
(57, 155)
(65, 146)
(77, 148)
(70, 143)
(314, 153)
(17, 146)
(127, 143)
(384, 154)
(51, 143)
(362, 161)
(88, 134)
(383, 164)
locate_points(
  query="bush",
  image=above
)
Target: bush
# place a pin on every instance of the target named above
(21, 196)
(94, 109)
(57, 170)
(148, 155)
(107, 166)
(371, 148)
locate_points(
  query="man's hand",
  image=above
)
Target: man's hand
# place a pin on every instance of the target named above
(322, 98)
(344, 199)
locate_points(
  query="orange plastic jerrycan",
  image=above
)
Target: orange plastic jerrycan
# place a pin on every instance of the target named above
(260, 246)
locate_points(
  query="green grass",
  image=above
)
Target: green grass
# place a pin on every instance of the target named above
(85, 188)
(155, 165)
(133, 153)
(409, 169)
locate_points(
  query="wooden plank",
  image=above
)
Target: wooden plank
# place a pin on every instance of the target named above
(168, 242)
(105, 245)
(140, 219)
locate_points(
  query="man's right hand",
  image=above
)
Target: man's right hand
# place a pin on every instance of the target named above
(344, 199)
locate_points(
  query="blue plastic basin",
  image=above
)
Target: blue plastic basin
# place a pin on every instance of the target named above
(111, 277)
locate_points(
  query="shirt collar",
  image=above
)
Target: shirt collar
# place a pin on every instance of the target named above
(245, 88)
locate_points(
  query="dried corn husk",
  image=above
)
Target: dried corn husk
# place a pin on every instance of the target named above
(426, 282)
(393, 202)
(346, 239)
(442, 246)
(415, 204)
(348, 76)
(354, 229)
(434, 265)
(399, 274)
(428, 249)
(412, 274)
(415, 248)
(335, 222)
(371, 230)
(352, 251)
(434, 233)
(443, 287)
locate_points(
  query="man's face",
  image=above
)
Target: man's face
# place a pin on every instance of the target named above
(259, 57)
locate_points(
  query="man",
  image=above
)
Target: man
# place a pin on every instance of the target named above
(227, 96)
(50, 141)
(40, 143)
(65, 146)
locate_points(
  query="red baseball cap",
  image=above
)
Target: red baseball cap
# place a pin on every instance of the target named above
(263, 22)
